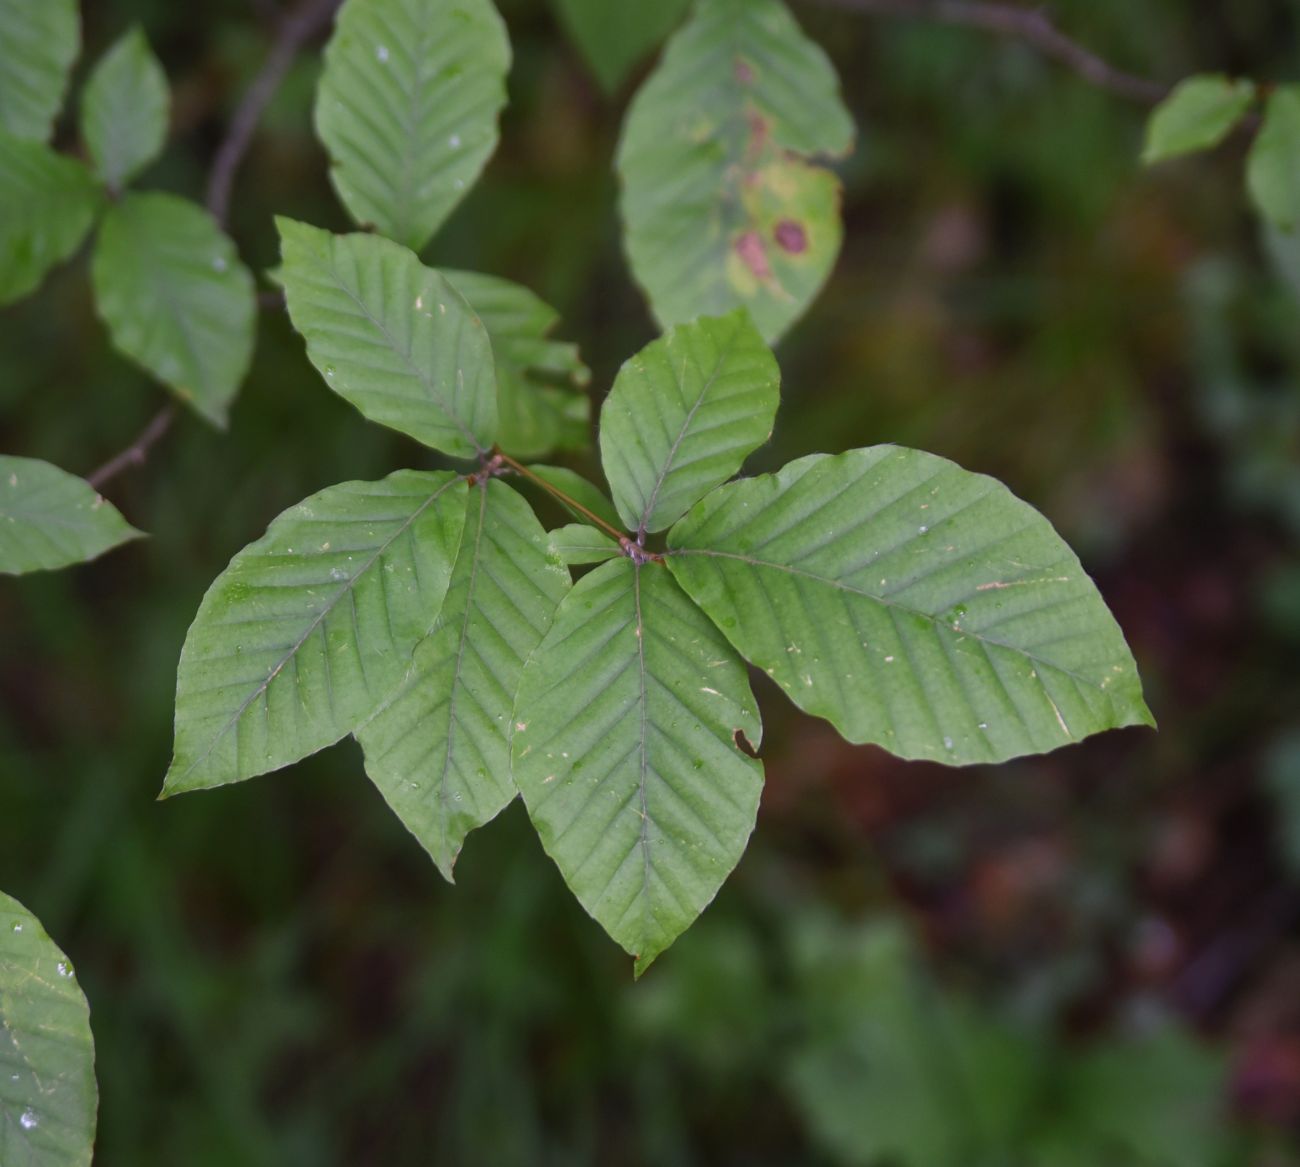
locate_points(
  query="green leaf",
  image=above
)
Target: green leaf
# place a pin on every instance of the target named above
(883, 1052)
(309, 628)
(720, 204)
(1197, 115)
(48, 1096)
(539, 381)
(50, 518)
(571, 487)
(47, 204)
(438, 747)
(39, 41)
(1273, 166)
(615, 37)
(683, 414)
(1157, 1099)
(629, 724)
(391, 336)
(124, 110)
(176, 298)
(579, 543)
(407, 108)
(911, 604)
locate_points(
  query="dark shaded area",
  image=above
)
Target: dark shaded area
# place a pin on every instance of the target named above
(278, 975)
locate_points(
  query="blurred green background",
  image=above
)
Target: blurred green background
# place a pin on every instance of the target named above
(1090, 958)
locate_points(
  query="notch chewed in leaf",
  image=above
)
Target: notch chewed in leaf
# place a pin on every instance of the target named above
(625, 754)
(910, 603)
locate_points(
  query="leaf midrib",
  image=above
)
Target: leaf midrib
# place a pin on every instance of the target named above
(345, 590)
(648, 513)
(436, 398)
(938, 623)
(460, 660)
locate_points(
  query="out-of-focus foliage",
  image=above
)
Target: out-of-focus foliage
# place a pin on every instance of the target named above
(615, 37)
(1198, 114)
(124, 110)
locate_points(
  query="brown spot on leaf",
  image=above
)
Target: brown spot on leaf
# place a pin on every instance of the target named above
(753, 254)
(757, 137)
(743, 743)
(791, 237)
(744, 71)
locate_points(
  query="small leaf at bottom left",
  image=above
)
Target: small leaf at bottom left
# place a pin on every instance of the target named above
(309, 628)
(48, 1096)
(50, 518)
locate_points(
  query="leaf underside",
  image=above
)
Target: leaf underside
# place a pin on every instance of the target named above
(627, 749)
(309, 628)
(407, 108)
(912, 604)
(391, 336)
(540, 381)
(683, 414)
(38, 44)
(720, 204)
(48, 1096)
(438, 747)
(176, 298)
(47, 205)
(50, 518)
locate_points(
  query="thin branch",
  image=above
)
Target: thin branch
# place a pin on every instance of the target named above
(137, 451)
(1032, 26)
(628, 545)
(299, 26)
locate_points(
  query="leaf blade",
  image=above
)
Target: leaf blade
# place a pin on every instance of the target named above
(634, 701)
(540, 399)
(577, 543)
(50, 518)
(1273, 165)
(48, 1095)
(912, 604)
(38, 45)
(683, 415)
(124, 110)
(338, 591)
(721, 205)
(47, 205)
(1197, 115)
(438, 747)
(407, 108)
(391, 336)
(176, 298)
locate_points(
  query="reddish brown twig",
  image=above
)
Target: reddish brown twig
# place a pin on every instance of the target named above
(295, 30)
(137, 451)
(1032, 26)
